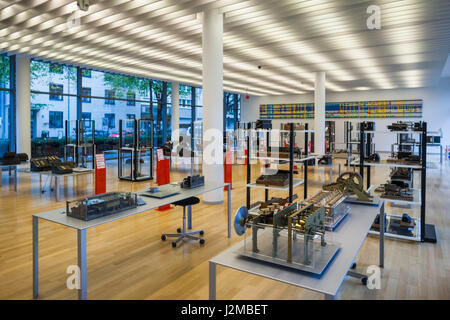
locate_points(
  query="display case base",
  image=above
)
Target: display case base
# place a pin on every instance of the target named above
(322, 255)
(430, 234)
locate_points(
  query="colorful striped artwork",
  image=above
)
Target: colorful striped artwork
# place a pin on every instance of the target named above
(340, 110)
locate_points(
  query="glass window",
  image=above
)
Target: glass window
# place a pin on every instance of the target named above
(6, 109)
(56, 119)
(185, 112)
(130, 117)
(131, 99)
(86, 73)
(146, 112)
(43, 74)
(56, 68)
(56, 91)
(86, 93)
(110, 120)
(232, 110)
(110, 95)
(5, 72)
(87, 117)
(198, 104)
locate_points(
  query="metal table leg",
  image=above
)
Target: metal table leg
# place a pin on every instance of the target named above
(339, 169)
(441, 153)
(212, 281)
(35, 257)
(382, 215)
(82, 292)
(56, 189)
(15, 179)
(229, 210)
(189, 217)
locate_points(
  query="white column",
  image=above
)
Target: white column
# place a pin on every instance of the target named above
(319, 114)
(175, 112)
(213, 102)
(23, 110)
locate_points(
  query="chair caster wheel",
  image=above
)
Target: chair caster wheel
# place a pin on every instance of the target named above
(174, 244)
(353, 265)
(179, 230)
(202, 233)
(364, 281)
(202, 241)
(163, 238)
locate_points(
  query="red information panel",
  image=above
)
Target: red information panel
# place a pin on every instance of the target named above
(100, 173)
(162, 173)
(228, 169)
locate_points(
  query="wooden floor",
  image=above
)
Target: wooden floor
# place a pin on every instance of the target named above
(126, 259)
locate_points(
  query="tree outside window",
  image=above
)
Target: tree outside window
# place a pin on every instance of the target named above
(56, 91)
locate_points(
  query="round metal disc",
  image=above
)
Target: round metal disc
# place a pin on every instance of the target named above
(241, 214)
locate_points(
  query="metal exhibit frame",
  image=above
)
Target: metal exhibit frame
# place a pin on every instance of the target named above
(427, 231)
(81, 145)
(136, 150)
(292, 182)
(330, 137)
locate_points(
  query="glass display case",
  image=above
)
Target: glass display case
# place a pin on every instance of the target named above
(101, 205)
(135, 150)
(335, 206)
(80, 142)
(292, 235)
(197, 139)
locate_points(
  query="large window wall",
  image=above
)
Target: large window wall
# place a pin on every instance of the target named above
(60, 93)
(53, 101)
(7, 89)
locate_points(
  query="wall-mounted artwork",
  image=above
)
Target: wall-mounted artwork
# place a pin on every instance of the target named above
(344, 110)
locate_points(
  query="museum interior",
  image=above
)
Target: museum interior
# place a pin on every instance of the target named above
(224, 150)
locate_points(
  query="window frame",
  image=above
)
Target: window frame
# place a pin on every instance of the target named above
(61, 114)
(53, 95)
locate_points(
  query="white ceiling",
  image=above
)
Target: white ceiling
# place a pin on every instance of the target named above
(289, 39)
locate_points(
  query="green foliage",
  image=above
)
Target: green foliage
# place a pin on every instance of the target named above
(123, 84)
(4, 70)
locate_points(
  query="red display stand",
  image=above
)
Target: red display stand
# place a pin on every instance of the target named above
(162, 174)
(100, 173)
(228, 169)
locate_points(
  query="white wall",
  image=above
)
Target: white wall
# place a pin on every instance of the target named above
(436, 109)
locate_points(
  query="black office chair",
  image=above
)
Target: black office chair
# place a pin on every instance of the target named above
(182, 232)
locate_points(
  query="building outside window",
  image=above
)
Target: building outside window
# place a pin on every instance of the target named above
(56, 91)
(130, 117)
(7, 138)
(86, 93)
(110, 95)
(131, 99)
(56, 119)
(87, 117)
(110, 120)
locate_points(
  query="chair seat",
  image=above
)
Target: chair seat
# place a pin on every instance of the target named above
(187, 202)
